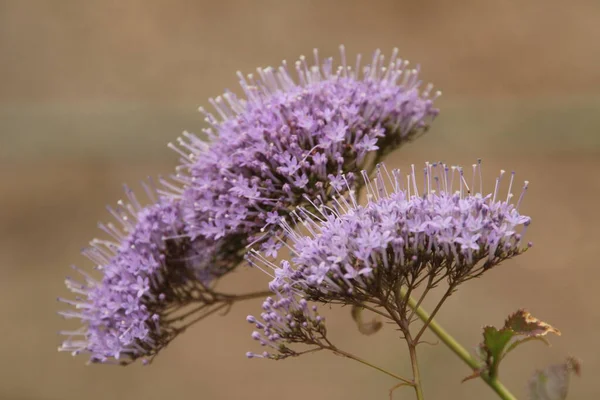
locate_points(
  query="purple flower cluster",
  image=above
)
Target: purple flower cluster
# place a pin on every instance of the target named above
(144, 270)
(289, 138)
(289, 319)
(266, 154)
(400, 236)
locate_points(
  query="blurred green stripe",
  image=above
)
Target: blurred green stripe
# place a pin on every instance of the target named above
(140, 131)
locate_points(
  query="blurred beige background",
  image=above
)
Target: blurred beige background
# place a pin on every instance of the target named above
(90, 92)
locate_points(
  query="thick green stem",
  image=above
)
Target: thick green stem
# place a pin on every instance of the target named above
(460, 351)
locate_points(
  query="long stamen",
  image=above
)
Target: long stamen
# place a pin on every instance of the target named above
(509, 194)
(497, 185)
(525, 186)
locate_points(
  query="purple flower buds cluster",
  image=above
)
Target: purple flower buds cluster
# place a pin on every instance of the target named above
(287, 319)
(404, 235)
(289, 138)
(145, 270)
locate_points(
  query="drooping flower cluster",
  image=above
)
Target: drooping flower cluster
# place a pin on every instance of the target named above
(401, 237)
(285, 320)
(288, 139)
(146, 275)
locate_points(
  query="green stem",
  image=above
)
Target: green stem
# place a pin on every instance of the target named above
(460, 351)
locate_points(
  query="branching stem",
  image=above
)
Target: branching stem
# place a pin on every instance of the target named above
(460, 351)
(422, 297)
(433, 314)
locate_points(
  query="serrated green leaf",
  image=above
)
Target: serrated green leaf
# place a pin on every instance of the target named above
(495, 341)
(552, 383)
(494, 344)
(368, 327)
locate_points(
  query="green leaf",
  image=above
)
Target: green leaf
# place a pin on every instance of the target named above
(368, 327)
(494, 344)
(495, 341)
(552, 383)
(520, 327)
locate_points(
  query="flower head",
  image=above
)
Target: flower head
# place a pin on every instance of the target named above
(288, 138)
(286, 319)
(145, 277)
(401, 237)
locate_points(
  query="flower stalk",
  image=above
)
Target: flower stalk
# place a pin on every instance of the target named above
(351, 356)
(412, 349)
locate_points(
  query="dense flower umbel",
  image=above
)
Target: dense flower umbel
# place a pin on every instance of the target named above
(145, 278)
(401, 238)
(286, 320)
(288, 138)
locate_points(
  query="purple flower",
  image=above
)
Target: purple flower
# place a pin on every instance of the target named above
(283, 142)
(401, 236)
(144, 274)
(286, 319)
